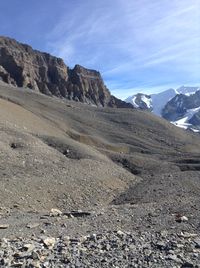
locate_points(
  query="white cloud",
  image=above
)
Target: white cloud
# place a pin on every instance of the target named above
(131, 42)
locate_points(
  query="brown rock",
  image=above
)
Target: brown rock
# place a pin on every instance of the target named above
(22, 66)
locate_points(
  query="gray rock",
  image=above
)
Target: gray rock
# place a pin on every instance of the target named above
(4, 226)
(187, 265)
(197, 242)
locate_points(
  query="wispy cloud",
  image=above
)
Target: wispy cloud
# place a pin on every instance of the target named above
(132, 43)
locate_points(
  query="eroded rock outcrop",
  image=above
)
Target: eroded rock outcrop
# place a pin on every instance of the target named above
(22, 66)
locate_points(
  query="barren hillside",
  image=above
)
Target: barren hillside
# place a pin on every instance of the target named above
(125, 168)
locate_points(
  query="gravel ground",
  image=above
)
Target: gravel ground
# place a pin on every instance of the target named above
(111, 249)
(119, 236)
(135, 176)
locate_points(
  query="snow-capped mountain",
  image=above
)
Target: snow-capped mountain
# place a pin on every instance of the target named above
(184, 110)
(180, 106)
(187, 90)
(141, 101)
(153, 102)
(159, 100)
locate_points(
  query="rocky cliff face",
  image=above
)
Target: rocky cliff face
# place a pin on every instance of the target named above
(22, 66)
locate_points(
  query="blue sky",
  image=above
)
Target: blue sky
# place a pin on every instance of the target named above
(137, 45)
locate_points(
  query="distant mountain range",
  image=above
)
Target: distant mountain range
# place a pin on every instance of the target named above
(22, 66)
(181, 106)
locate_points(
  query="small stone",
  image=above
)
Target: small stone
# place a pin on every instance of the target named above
(35, 255)
(160, 245)
(35, 264)
(164, 233)
(77, 213)
(32, 225)
(187, 265)
(28, 247)
(180, 218)
(55, 212)
(17, 264)
(46, 264)
(49, 242)
(120, 233)
(179, 245)
(187, 235)
(184, 218)
(173, 258)
(93, 237)
(4, 226)
(195, 255)
(197, 242)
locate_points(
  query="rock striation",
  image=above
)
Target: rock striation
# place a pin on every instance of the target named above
(22, 66)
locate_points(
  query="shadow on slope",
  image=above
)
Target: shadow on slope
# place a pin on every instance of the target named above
(94, 153)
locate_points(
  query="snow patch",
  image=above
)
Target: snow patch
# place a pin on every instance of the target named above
(146, 100)
(192, 93)
(195, 130)
(183, 122)
(134, 102)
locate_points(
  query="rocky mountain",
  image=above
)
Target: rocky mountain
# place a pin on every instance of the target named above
(153, 102)
(141, 101)
(22, 66)
(159, 100)
(183, 110)
(187, 90)
(180, 106)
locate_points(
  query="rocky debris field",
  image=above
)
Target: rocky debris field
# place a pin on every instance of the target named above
(90, 187)
(110, 249)
(119, 236)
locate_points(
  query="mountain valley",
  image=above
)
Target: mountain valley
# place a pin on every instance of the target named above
(90, 181)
